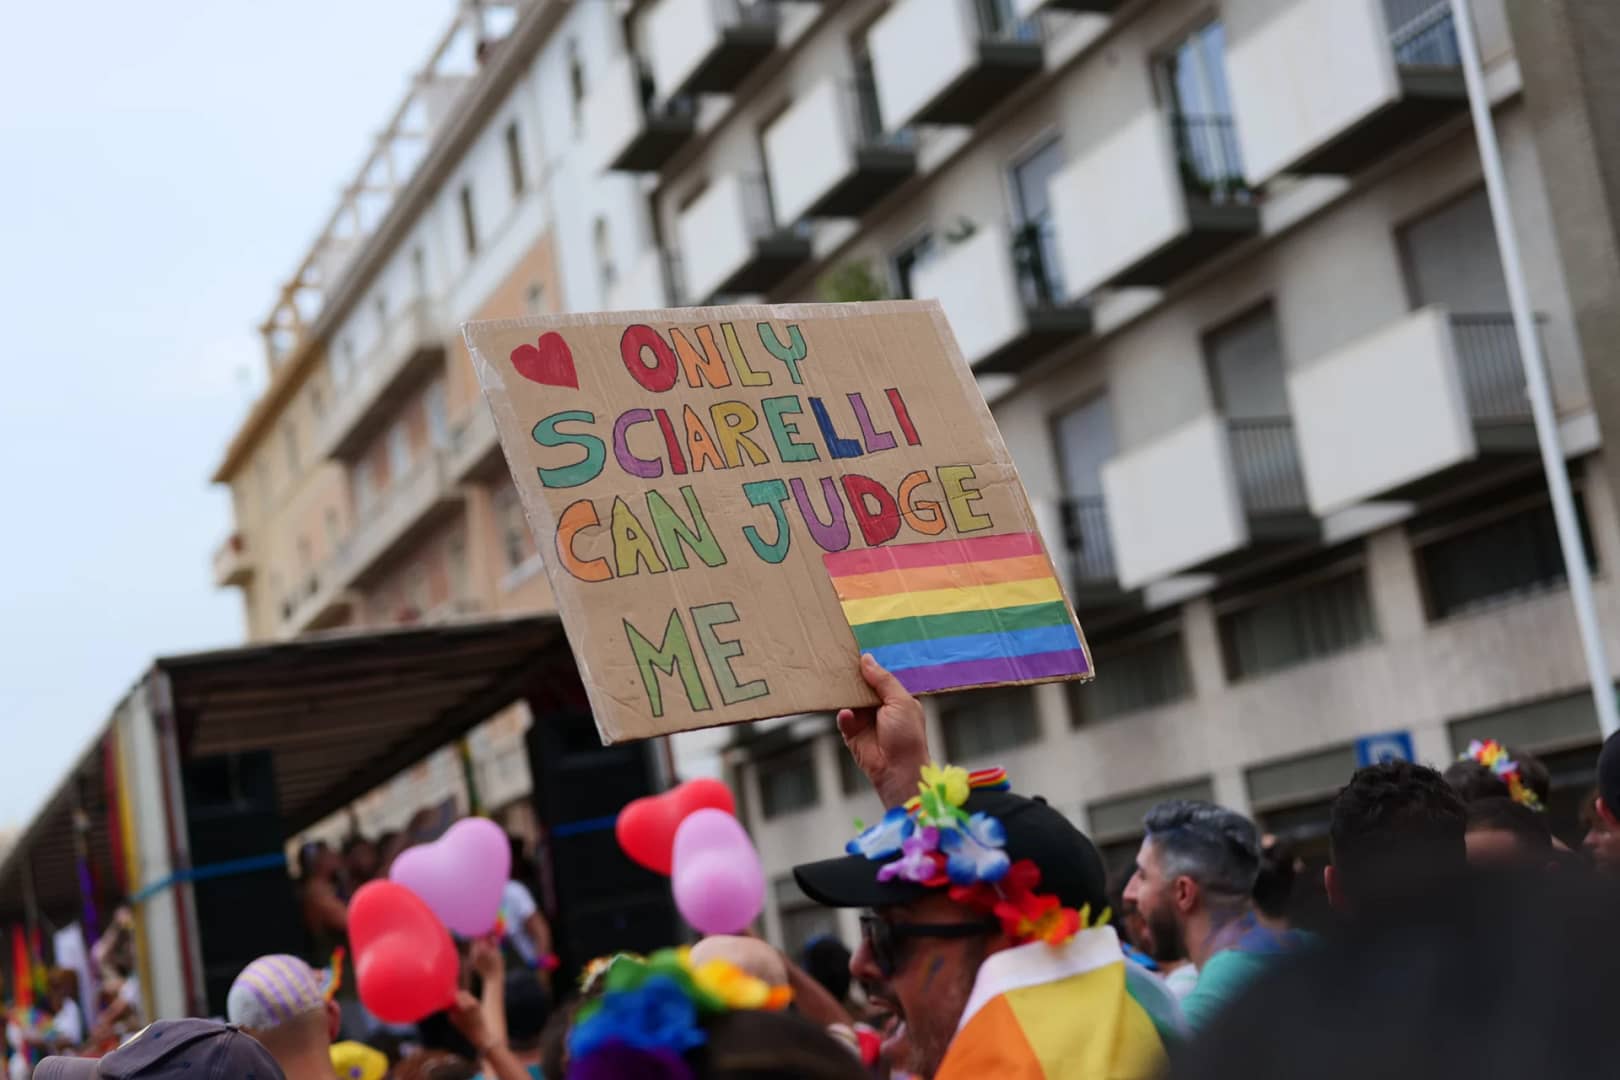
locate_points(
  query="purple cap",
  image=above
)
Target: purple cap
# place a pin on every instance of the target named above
(194, 1049)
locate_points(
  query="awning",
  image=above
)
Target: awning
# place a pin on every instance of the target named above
(340, 712)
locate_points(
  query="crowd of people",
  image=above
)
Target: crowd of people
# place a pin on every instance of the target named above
(1464, 939)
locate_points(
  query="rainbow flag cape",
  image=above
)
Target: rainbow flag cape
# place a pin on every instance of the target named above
(945, 614)
(1076, 1011)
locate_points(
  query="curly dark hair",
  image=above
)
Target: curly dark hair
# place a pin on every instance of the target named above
(1395, 827)
(1473, 781)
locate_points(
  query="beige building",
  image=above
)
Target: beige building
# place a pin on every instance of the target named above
(1226, 272)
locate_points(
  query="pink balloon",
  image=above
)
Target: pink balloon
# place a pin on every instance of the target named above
(460, 876)
(718, 881)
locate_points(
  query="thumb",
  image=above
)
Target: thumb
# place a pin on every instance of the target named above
(882, 681)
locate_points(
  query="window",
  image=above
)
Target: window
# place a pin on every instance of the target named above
(1139, 670)
(981, 722)
(1034, 239)
(1502, 556)
(289, 440)
(908, 260)
(1246, 375)
(787, 781)
(438, 414)
(348, 365)
(334, 532)
(1299, 621)
(469, 224)
(1085, 441)
(1450, 257)
(399, 451)
(455, 556)
(364, 482)
(1193, 77)
(379, 305)
(576, 85)
(517, 543)
(419, 270)
(604, 253)
(534, 300)
(802, 918)
(317, 401)
(514, 157)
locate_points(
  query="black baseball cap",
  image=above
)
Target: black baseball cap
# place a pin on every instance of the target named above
(1071, 867)
(194, 1049)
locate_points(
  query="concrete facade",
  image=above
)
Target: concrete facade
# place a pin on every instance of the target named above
(1302, 508)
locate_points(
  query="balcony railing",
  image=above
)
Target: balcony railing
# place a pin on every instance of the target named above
(1422, 33)
(1491, 367)
(1085, 531)
(999, 22)
(865, 117)
(1265, 457)
(1209, 159)
(744, 13)
(1035, 262)
(679, 107)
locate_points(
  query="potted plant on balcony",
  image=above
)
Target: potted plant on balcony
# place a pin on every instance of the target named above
(851, 283)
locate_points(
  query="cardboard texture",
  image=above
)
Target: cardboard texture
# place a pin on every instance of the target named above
(733, 502)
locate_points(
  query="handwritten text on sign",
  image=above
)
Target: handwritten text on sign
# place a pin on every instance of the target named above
(688, 475)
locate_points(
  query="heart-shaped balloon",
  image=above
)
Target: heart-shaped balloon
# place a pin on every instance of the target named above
(460, 876)
(646, 827)
(717, 878)
(405, 964)
(549, 361)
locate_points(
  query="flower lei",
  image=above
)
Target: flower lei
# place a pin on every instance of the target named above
(650, 1013)
(1494, 756)
(932, 841)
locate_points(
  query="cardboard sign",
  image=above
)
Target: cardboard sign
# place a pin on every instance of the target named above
(733, 503)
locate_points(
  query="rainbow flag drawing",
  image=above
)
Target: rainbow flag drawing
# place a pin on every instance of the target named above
(964, 612)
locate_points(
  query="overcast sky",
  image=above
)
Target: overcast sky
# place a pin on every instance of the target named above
(163, 166)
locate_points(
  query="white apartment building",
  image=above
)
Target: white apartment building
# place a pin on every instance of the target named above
(1227, 274)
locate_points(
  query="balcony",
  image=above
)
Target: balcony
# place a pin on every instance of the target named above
(1202, 496)
(1414, 405)
(408, 509)
(411, 350)
(1157, 198)
(854, 163)
(1029, 8)
(652, 281)
(1093, 578)
(316, 603)
(232, 566)
(1332, 86)
(1003, 296)
(628, 128)
(708, 46)
(950, 61)
(474, 453)
(731, 243)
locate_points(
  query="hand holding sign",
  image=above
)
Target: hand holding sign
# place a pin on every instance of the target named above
(889, 742)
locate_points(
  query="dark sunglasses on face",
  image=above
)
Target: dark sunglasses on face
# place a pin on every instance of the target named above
(885, 938)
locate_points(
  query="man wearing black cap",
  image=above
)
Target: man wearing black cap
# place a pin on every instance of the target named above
(193, 1049)
(987, 910)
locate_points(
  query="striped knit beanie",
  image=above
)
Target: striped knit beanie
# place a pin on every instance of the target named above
(273, 990)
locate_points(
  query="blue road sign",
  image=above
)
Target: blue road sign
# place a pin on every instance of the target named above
(1390, 746)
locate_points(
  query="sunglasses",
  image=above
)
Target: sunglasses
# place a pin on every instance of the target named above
(885, 938)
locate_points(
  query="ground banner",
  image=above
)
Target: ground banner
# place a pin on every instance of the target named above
(733, 503)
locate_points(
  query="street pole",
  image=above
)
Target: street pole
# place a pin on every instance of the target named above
(1576, 570)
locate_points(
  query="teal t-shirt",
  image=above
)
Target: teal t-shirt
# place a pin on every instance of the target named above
(534, 1071)
(1227, 972)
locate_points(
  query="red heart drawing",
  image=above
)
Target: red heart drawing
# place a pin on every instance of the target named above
(549, 362)
(646, 827)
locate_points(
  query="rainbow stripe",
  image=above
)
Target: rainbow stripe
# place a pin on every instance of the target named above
(965, 612)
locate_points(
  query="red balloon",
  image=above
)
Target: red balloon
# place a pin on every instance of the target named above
(405, 964)
(646, 827)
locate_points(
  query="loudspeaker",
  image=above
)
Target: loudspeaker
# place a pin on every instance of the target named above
(597, 900)
(231, 815)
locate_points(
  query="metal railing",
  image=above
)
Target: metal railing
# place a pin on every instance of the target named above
(679, 107)
(1209, 159)
(1422, 33)
(1265, 457)
(865, 118)
(759, 211)
(1491, 367)
(1036, 266)
(744, 13)
(1085, 532)
(999, 22)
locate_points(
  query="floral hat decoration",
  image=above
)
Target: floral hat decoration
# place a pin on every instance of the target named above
(650, 1013)
(1495, 757)
(934, 842)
